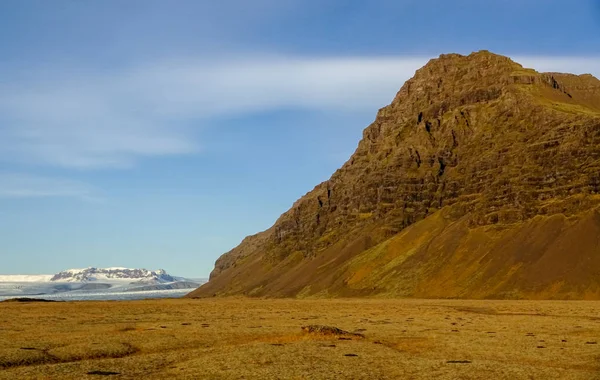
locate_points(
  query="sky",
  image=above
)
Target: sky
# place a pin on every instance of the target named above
(158, 134)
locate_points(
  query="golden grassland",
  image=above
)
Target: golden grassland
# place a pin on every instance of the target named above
(236, 338)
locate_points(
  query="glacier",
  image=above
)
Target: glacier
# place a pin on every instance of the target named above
(116, 283)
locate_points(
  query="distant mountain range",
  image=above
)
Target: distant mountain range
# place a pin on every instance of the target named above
(96, 274)
(94, 281)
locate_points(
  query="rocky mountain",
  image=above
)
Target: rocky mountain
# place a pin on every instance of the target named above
(480, 180)
(95, 274)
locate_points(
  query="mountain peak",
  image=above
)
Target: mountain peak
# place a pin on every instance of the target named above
(478, 180)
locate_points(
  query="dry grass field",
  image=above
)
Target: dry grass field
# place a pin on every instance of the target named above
(263, 339)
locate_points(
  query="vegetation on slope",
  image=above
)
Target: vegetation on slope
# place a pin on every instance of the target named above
(481, 179)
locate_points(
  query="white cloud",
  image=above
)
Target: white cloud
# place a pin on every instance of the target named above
(107, 120)
(224, 88)
(17, 185)
(99, 120)
(574, 65)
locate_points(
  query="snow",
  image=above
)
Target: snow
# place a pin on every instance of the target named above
(25, 277)
(101, 274)
(97, 283)
(106, 296)
(83, 290)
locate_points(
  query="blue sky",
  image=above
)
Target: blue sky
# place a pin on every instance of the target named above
(158, 134)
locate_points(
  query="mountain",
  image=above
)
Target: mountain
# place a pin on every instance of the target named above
(97, 283)
(480, 180)
(96, 274)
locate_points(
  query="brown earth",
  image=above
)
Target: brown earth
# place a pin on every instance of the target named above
(27, 300)
(244, 338)
(480, 180)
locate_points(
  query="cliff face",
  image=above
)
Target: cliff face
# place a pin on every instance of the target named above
(480, 179)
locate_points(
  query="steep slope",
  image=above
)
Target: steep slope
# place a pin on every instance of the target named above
(480, 179)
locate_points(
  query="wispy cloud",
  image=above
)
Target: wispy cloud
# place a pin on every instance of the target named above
(574, 65)
(112, 120)
(17, 185)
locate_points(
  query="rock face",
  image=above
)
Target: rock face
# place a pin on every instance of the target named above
(480, 180)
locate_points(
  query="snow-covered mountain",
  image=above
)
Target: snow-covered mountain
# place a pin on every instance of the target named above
(127, 274)
(25, 277)
(95, 282)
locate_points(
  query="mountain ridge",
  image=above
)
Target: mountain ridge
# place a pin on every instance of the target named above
(474, 144)
(92, 274)
(95, 283)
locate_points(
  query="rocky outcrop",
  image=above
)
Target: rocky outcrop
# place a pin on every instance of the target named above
(329, 330)
(506, 158)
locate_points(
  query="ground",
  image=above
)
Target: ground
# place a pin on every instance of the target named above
(263, 339)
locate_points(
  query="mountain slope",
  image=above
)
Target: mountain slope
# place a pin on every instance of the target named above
(481, 179)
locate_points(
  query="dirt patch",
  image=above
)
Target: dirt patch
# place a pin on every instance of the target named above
(330, 330)
(28, 300)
